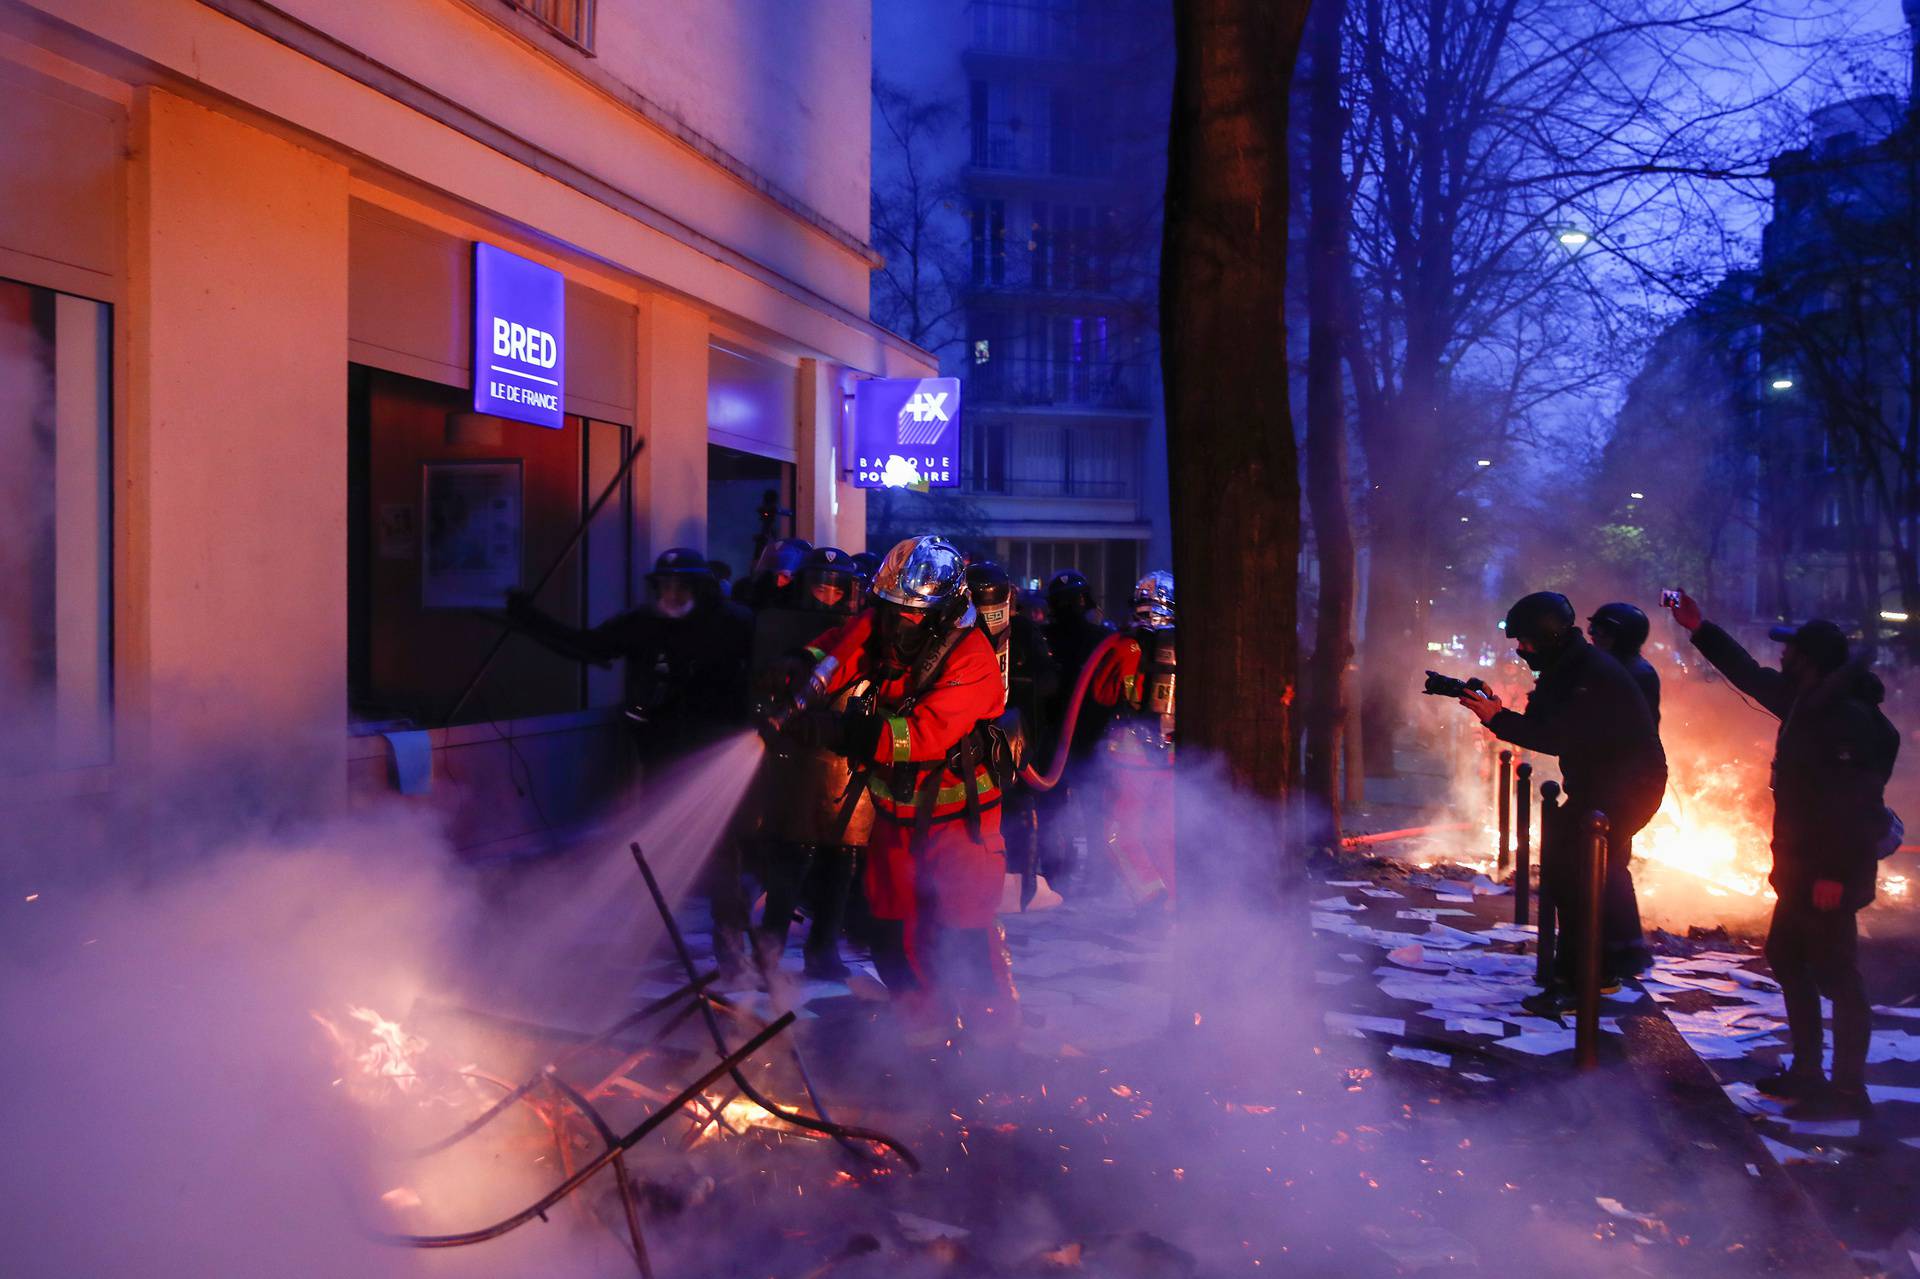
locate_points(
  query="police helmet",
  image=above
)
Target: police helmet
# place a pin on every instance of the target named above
(1068, 592)
(681, 561)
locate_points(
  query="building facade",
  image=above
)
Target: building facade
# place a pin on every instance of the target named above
(257, 513)
(1055, 152)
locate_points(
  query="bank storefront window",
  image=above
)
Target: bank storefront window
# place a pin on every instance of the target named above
(448, 511)
(56, 545)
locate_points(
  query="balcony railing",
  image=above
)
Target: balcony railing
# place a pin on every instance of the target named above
(1033, 28)
(1058, 383)
(1047, 486)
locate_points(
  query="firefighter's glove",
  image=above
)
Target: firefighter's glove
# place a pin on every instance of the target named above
(860, 735)
(819, 730)
(780, 677)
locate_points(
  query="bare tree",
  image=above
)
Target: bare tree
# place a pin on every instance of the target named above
(1327, 471)
(919, 289)
(1234, 482)
(1523, 169)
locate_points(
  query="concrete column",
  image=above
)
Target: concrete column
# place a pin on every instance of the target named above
(828, 511)
(671, 412)
(236, 466)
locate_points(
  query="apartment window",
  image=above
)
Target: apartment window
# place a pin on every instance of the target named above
(571, 20)
(989, 240)
(994, 125)
(1040, 247)
(987, 460)
(1031, 28)
(56, 635)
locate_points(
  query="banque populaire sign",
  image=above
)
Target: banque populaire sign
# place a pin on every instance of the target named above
(519, 338)
(906, 433)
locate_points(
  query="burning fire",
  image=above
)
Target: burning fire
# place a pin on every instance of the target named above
(734, 1116)
(1706, 830)
(386, 1054)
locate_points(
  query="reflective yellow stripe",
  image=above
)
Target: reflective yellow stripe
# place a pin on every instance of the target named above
(902, 741)
(1127, 686)
(954, 794)
(818, 655)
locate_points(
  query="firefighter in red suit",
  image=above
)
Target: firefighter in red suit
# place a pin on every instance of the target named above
(924, 745)
(1136, 678)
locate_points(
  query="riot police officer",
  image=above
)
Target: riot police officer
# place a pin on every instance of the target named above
(814, 823)
(685, 657)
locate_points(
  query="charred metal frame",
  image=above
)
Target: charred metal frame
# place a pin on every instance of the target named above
(691, 997)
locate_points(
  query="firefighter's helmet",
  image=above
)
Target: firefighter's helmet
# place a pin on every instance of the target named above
(1153, 601)
(922, 573)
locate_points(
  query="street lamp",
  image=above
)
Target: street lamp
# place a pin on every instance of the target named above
(1782, 383)
(1572, 238)
(1485, 461)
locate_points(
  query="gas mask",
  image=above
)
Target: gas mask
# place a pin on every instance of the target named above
(676, 608)
(904, 632)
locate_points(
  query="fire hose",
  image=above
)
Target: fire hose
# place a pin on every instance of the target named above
(1051, 778)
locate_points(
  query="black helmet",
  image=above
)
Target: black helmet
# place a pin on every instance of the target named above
(992, 592)
(1545, 618)
(988, 583)
(1626, 625)
(1069, 592)
(867, 562)
(681, 561)
(830, 566)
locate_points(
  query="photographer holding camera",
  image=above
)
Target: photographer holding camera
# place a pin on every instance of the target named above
(1831, 761)
(1586, 710)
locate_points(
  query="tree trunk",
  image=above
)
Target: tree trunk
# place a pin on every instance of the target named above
(1327, 473)
(1232, 471)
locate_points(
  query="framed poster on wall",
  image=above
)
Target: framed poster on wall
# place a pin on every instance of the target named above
(471, 533)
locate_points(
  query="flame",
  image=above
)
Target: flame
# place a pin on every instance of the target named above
(388, 1054)
(391, 1054)
(733, 1116)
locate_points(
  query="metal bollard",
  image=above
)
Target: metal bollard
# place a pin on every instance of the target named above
(1549, 807)
(1593, 877)
(1523, 843)
(1506, 813)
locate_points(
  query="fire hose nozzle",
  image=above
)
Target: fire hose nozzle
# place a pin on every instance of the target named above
(789, 706)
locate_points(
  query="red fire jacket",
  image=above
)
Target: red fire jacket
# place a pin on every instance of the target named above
(966, 689)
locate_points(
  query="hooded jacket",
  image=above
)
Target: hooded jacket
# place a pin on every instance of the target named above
(1831, 759)
(1588, 711)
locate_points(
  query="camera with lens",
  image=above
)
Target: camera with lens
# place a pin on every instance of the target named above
(1439, 685)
